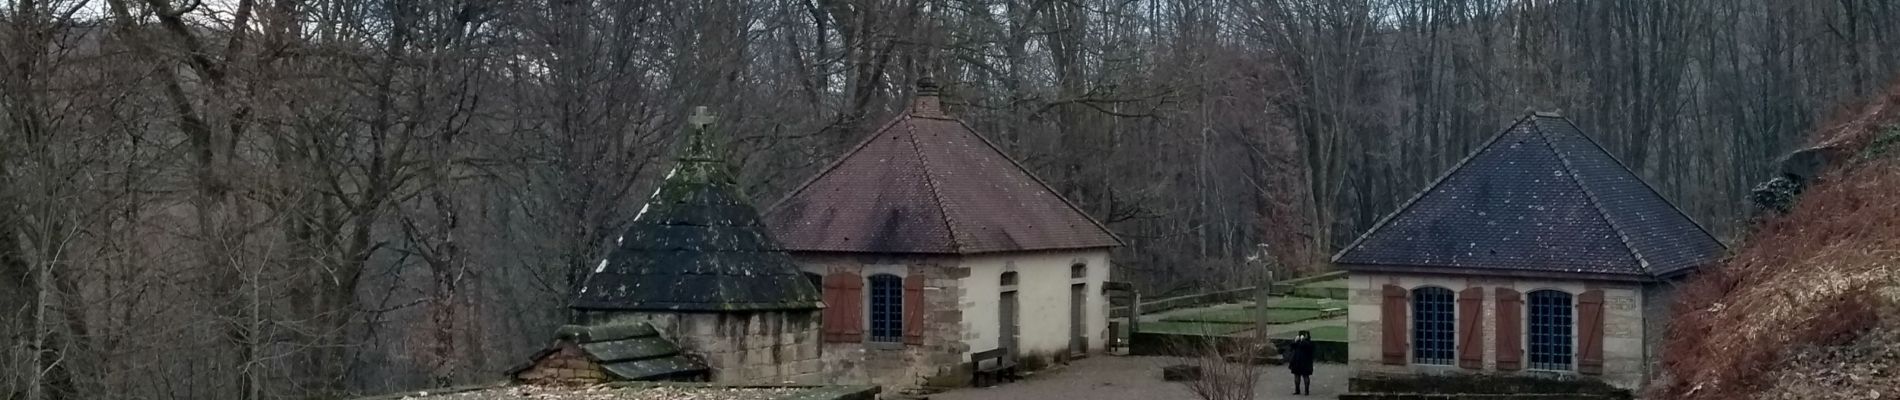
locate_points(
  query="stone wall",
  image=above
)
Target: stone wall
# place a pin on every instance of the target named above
(939, 361)
(770, 347)
(1624, 325)
(1477, 387)
(1657, 299)
(566, 365)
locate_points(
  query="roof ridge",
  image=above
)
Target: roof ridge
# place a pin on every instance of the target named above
(1428, 188)
(835, 163)
(1591, 195)
(930, 181)
(1644, 182)
(1045, 185)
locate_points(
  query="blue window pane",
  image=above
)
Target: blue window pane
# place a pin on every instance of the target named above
(1432, 325)
(1551, 323)
(887, 308)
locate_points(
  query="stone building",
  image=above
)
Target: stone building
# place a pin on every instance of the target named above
(697, 265)
(931, 244)
(1539, 254)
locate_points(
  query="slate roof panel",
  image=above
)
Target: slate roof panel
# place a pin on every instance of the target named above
(656, 369)
(696, 245)
(876, 199)
(1539, 197)
(926, 183)
(630, 349)
(1657, 232)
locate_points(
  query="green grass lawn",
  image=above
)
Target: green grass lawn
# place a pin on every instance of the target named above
(1330, 333)
(1245, 316)
(1192, 328)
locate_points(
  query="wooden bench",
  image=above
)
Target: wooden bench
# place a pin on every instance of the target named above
(1000, 367)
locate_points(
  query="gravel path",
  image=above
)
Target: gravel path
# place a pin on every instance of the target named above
(1139, 378)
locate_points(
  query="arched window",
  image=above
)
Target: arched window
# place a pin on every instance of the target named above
(1551, 324)
(1432, 324)
(887, 308)
(1079, 271)
(1008, 279)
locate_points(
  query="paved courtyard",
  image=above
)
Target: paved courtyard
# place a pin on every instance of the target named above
(1139, 378)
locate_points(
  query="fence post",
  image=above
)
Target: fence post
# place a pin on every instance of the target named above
(1134, 317)
(1262, 294)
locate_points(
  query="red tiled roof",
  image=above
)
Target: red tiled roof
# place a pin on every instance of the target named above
(927, 183)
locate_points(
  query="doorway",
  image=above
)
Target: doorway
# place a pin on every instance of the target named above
(1007, 309)
(1078, 330)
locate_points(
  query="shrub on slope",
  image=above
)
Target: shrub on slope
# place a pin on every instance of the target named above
(1805, 285)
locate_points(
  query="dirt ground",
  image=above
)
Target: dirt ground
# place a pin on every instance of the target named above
(1139, 378)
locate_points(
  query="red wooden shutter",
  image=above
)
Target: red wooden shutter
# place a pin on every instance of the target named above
(843, 321)
(1392, 318)
(833, 307)
(1471, 328)
(1510, 330)
(913, 309)
(1590, 332)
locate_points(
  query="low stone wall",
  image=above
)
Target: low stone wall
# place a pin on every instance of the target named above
(1482, 387)
(1158, 344)
(810, 392)
(1417, 396)
(799, 392)
(1323, 351)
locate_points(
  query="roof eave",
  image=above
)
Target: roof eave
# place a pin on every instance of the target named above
(1045, 184)
(1407, 205)
(1645, 182)
(1496, 272)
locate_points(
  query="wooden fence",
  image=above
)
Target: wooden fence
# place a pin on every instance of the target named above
(1218, 297)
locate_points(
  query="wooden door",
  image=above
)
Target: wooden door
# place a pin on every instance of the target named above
(1007, 326)
(1078, 323)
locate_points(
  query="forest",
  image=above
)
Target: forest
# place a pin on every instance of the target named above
(298, 199)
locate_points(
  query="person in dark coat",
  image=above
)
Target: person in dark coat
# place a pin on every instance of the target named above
(1299, 358)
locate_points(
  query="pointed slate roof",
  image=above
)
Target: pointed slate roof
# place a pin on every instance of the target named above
(696, 246)
(928, 184)
(1539, 198)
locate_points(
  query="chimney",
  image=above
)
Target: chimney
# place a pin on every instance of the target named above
(927, 103)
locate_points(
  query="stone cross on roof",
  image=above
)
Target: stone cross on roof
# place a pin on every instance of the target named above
(699, 146)
(697, 245)
(700, 118)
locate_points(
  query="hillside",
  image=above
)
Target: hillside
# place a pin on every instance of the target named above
(1806, 307)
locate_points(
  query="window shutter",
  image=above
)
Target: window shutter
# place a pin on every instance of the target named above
(1471, 328)
(852, 319)
(1590, 332)
(843, 321)
(833, 307)
(1510, 330)
(1392, 318)
(914, 309)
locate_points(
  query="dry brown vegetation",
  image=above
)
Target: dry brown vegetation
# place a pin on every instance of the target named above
(1800, 309)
